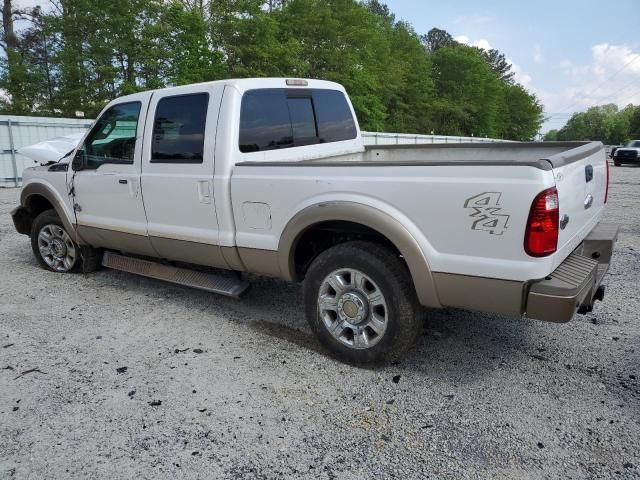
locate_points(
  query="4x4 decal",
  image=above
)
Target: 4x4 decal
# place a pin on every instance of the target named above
(485, 213)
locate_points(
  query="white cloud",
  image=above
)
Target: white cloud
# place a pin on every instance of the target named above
(481, 43)
(612, 76)
(537, 53)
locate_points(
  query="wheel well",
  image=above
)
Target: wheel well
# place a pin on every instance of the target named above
(321, 236)
(36, 204)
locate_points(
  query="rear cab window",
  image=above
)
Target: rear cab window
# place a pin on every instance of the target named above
(279, 118)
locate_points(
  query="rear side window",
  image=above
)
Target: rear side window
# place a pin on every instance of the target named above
(281, 118)
(335, 122)
(178, 129)
(264, 121)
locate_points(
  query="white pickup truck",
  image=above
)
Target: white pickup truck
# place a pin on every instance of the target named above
(271, 177)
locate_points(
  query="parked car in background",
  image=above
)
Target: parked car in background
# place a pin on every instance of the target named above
(628, 154)
(612, 152)
(271, 177)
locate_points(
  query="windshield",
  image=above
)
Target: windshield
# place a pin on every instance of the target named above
(634, 144)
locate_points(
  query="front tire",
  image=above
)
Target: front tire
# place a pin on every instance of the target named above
(360, 302)
(616, 164)
(55, 249)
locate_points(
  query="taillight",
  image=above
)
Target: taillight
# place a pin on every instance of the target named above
(606, 188)
(541, 236)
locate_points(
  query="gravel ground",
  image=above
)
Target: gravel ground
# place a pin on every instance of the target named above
(141, 379)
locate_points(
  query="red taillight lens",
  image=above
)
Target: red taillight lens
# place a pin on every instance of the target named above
(541, 236)
(606, 188)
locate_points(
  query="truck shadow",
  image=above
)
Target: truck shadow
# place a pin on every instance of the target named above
(452, 342)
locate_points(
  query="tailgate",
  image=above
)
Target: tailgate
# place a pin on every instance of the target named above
(581, 180)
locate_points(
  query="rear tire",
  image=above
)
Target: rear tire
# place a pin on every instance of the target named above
(56, 251)
(361, 303)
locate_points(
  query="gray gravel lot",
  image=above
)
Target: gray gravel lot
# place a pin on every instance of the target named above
(141, 379)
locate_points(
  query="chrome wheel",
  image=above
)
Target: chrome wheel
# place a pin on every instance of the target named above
(353, 308)
(56, 248)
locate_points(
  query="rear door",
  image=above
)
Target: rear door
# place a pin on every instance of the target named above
(177, 174)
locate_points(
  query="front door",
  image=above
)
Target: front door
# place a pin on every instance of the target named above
(105, 179)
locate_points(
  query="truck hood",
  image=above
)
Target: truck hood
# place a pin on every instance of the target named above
(51, 150)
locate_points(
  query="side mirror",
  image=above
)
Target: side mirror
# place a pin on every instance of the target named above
(78, 161)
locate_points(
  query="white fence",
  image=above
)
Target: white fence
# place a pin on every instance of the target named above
(382, 138)
(20, 131)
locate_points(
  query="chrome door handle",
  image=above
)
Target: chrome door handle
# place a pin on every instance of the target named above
(588, 201)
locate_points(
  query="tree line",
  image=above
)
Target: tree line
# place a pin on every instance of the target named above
(79, 54)
(606, 123)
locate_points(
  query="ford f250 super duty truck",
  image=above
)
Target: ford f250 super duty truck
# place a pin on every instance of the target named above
(271, 177)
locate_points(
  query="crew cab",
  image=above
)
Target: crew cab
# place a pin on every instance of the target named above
(628, 154)
(271, 177)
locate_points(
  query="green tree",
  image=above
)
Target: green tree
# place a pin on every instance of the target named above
(499, 64)
(187, 38)
(603, 123)
(520, 114)
(468, 92)
(634, 124)
(435, 39)
(18, 72)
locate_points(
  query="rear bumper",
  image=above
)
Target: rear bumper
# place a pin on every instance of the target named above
(576, 283)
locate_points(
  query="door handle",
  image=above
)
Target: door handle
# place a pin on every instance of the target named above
(588, 201)
(123, 181)
(204, 193)
(588, 173)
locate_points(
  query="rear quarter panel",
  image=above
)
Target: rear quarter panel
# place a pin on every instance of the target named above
(468, 220)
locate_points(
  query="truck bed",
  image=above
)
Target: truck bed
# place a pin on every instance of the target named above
(541, 155)
(545, 156)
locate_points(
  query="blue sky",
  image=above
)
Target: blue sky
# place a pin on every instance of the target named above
(565, 51)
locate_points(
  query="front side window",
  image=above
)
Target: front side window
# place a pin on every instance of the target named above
(178, 129)
(282, 118)
(113, 137)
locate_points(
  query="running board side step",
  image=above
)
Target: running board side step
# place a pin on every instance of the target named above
(210, 282)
